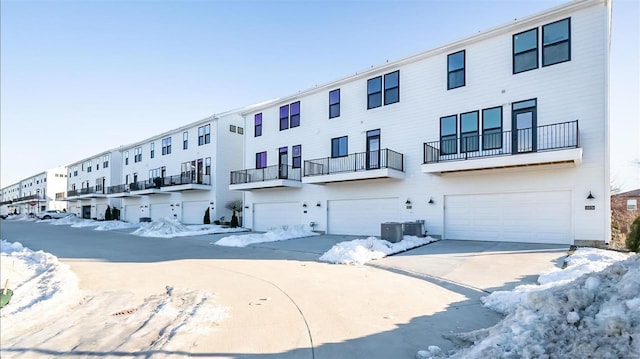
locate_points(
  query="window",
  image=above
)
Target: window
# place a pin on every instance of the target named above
(207, 166)
(290, 119)
(232, 128)
(166, 146)
(556, 42)
(334, 103)
(152, 152)
(97, 164)
(257, 125)
(126, 179)
(240, 130)
(374, 92)
(75, 169)
(261, 159)
(185, 140)
(392, 87)
(449, 135)
(339, 147)
(105, 162)
(284, 117)
(137, 155)
(525, 51)
(469, 132)
(297, 156)
(455, 70)
(492, 128)
(89, 166)
(204, 135)
(632, 204)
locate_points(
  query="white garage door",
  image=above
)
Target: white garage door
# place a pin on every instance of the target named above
(132, 213)
(267, 216)
(361, 216)
(533, 217)
(161, 210)
(193, 212)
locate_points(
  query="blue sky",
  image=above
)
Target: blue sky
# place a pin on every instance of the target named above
(81, 77)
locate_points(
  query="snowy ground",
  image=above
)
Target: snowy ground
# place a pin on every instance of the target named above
(46, 291)
(591, 309)
(360, 251)
(276, 235)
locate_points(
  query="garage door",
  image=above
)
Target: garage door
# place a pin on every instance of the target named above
(161, 210)
(193, 212)
(534, 217)
(361, 216)
(267, 216)
(132, 213)
(101, 209)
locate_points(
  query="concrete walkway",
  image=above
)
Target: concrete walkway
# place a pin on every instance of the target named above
(285, 304)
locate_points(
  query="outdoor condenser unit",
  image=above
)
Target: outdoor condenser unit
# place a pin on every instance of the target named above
(412, 229)
(391, 232)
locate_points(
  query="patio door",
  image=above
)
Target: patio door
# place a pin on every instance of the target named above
(200, 170)
(373, 149)
(283, 160)
(524, 127)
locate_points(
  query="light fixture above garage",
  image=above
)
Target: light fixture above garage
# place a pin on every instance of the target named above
(431, 200)
(590, 196)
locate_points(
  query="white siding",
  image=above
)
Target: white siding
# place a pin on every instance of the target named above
(361, 216)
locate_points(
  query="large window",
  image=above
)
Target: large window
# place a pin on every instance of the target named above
(374, 92)
(492, 128)
(290, 116)
(295, 114)
(392, 87)
(556, 42)
(334, 103)
(455, 70)
(525, 51)
(166, 146)
(257, 125)
(449, 135)
(105, 161)
(185, 140)
(284, 117)
(469, 132)
(207, 166)
(89, 166)
(261, 159)
(204, 135)
(137, 154)
(339, 147)
(297, 156)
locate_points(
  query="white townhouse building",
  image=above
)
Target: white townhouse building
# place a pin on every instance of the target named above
(499, 136)
(36, 193)
(87, 183)
(181, 173)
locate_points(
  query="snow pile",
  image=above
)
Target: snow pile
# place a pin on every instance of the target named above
(171, 228)
(21, 217)
(40, 283)
(113, 225)
(281, 234)
(360, 251)
(67, 221)
(596, 315)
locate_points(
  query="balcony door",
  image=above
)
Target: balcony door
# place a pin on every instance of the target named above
(283, 160)
(200, 170)
(373, 149)
(524, 127)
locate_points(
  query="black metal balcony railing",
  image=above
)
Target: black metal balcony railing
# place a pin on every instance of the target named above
(86, 190)
(121, 188)
(26, 198)
(265, 174)
(547, 138)
(355, 162)
(184, 178)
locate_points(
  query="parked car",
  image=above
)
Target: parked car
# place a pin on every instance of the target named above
(52, 214)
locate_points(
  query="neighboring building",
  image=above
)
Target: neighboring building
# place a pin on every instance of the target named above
(500, 136)
(624, 210)
(36, 193)
(87, 183)
(180, 173)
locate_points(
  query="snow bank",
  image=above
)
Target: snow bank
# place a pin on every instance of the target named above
(67, 221)
(360, 251)
(281, 234)
(596, 315)
(171, 228)
(113, 225)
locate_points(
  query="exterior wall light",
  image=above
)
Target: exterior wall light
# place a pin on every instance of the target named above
(304, 205)
(318, 204)
(590, 196)
(431, 200)
(408, 202)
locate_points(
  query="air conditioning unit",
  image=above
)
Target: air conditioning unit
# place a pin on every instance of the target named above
(412, 229)
(391, 231)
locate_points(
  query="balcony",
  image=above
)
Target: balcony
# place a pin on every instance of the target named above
(188, 181)
(267, 177)
(88, 192)
(384, 163)
(556, 144)
(151, 186)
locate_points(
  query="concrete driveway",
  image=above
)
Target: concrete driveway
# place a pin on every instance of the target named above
(285, 304)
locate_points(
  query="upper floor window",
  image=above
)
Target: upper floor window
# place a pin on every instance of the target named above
(257, 125)
(449, 135)
(492, 128)
(334, 103)
(261, 159)
(97, 164)
(204, 135)
(89, 166)
(525, 51)
(469, 132)
(137, 154)
(392, 87)
(339, 147)
(152, 150)
(455, 70)
(105, 161)
(185, 140)
(290, 116)
(632, 204)
(297, 156)
(166, 146)
(374, 92)
(207, 166)
(126, 158)
(556, 42)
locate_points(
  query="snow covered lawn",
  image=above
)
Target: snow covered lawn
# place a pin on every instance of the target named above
(591, 309)
(277, 235)
(360, 251)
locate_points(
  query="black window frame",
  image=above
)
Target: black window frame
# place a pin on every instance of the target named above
(492, 139)
(377, 94)
(339, 147)
(185, 140)
(334, 107)
(296, 156)
(257, 125)
(258, 160)
(514, 54)
(389, 89)
(456, 70)
(557, 42)
(152, 150)
(166, 146)
(294, 118)
(284, 119)
(451, 139)
(472, 145)
(126, 158)
(137, 154)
